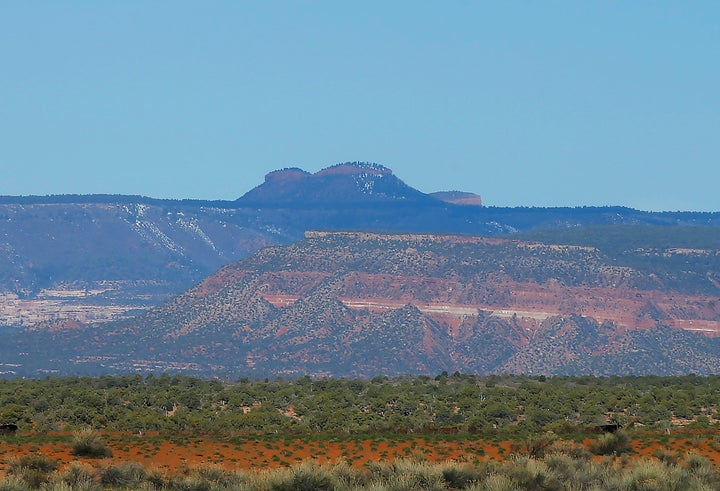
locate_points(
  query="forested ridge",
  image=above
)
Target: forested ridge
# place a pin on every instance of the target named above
(455, 403)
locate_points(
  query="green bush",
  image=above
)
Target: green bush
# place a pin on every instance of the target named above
(496, 482)
(127, 474)
(348, 476)
(33, 469)
(612, 444)
(218, 476)
(89, 443)
(13, 483)
(652, 475)
(408, 475)
(79, 476)
(535, 446)
(458, 477)
(534, 475)
(304, 477)
(156, 478)
(189, 483)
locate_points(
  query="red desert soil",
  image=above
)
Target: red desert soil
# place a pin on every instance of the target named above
(176, 453)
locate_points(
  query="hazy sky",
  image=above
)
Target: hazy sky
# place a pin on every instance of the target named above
(526, 103)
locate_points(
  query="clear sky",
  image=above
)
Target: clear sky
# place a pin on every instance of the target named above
(557, 103)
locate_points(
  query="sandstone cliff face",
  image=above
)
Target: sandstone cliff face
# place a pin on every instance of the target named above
(361, 304)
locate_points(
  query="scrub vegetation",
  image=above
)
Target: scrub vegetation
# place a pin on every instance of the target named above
(457, 403)
(446, 432)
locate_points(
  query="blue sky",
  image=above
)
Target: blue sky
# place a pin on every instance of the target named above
(526, 103)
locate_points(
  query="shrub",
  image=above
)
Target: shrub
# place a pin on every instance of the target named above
(536, 446)
(125, 474)
(88, 443)
(156, 478)
(33, 469)
(496, 482)
(667, 457)
(574, 473)
(649, 475)
(36, 461)
(460, 477)
(531, 474)
(612, 444)
(13, 484)
(79, 477)
(189, 483)
(57, 486)
(218, 476)
(573, 450)
(348, 476)
(700, 468)
(407, 475)
(305, 477)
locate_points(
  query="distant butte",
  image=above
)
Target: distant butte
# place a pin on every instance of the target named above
(458, 197)
(349, 183)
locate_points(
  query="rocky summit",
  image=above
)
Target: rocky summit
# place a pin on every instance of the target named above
(352, 183)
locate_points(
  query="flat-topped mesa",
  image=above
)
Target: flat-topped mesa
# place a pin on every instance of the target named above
(458, 197)
(400, 237)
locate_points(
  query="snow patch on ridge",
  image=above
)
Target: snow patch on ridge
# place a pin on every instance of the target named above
(366, 181)
(192, 226)
(148, 230)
